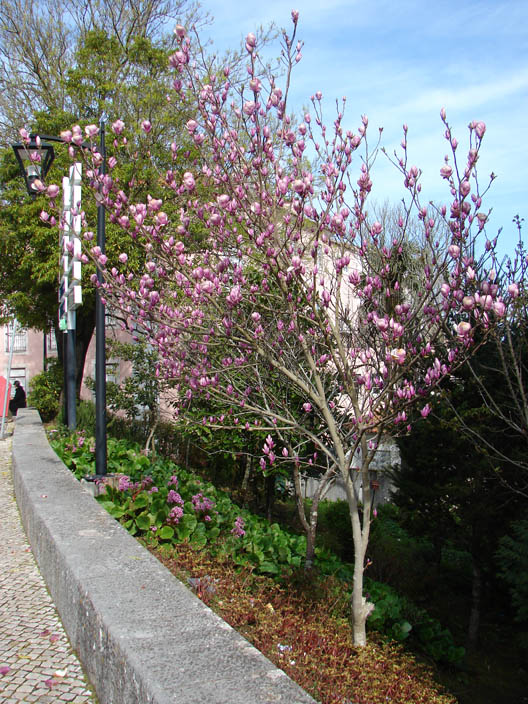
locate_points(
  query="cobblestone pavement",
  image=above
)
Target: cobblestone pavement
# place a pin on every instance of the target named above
(37, 663)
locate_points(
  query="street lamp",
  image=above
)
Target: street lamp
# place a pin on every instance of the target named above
(34, 160)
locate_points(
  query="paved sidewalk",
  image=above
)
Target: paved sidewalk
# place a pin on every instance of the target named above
(37, 663)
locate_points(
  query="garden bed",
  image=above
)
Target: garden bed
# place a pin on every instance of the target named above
(250, 573)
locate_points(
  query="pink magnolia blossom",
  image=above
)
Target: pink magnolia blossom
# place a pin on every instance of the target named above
(463, 329)
(91, 131)
(480, 129)
(425, 410)
(513, 290)
(118, 126)
(398, 355)
(188, 181)
(499, 308)
(235, 296)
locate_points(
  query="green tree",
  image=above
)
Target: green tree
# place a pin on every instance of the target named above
(448, 492)
(138, 394)
(65, 64)
(92, 57)
(41, 46)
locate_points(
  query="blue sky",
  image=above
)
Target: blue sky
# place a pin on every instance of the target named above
(402, 61)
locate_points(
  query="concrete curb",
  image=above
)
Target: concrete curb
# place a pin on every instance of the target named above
(141, 636)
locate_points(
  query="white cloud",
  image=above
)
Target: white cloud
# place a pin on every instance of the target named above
(401, 62)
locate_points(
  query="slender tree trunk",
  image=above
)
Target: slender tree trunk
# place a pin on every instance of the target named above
(270, 496)
(245, 480)
(299, 500)
(310, 526)
(187, 451)
(361, 608)
(85, 327)
(476, 595)
(151, 435)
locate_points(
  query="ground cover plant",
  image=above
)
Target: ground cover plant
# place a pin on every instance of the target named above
(193, 526)
(303, 628)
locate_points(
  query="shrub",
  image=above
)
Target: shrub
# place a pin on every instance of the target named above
(45, 391)
(333, 528)
(86, 417)
(512, 558)
(398, 558)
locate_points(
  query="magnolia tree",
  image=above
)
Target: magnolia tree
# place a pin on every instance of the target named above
(293, 315)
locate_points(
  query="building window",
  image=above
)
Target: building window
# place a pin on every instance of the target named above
(51, 342)
(20, 341)
(18, 374)
(112, 371)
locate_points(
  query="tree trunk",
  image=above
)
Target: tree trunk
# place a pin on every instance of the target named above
(361, 608)
(187, 451)
(85, 326)
(245, 480)
(83, 335)
(270, 496)
(474, 617)
(310, 526)
(154, 424)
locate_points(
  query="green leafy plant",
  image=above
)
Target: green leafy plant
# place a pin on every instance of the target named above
(166, 505)
(45, 391)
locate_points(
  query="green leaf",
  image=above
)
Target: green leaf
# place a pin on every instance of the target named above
(116, 511)
(107, 505)
(141, 501)
(401, 630)
(143, 521)
(268, 567)
(166, 533)
(186, 526)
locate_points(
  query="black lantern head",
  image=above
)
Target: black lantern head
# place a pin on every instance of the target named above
(34, 160)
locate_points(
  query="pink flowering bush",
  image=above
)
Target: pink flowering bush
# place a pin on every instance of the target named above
(296, 317)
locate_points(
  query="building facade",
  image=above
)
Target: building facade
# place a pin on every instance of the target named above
(28, 351)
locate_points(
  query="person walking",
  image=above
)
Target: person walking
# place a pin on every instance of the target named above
(18, 400)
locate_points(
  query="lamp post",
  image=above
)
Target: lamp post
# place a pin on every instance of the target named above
(34, 159)
(100, 333)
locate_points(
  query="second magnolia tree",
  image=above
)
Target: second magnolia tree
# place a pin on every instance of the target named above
(273, 299)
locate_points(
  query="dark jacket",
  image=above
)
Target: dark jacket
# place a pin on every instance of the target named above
(18, 400)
